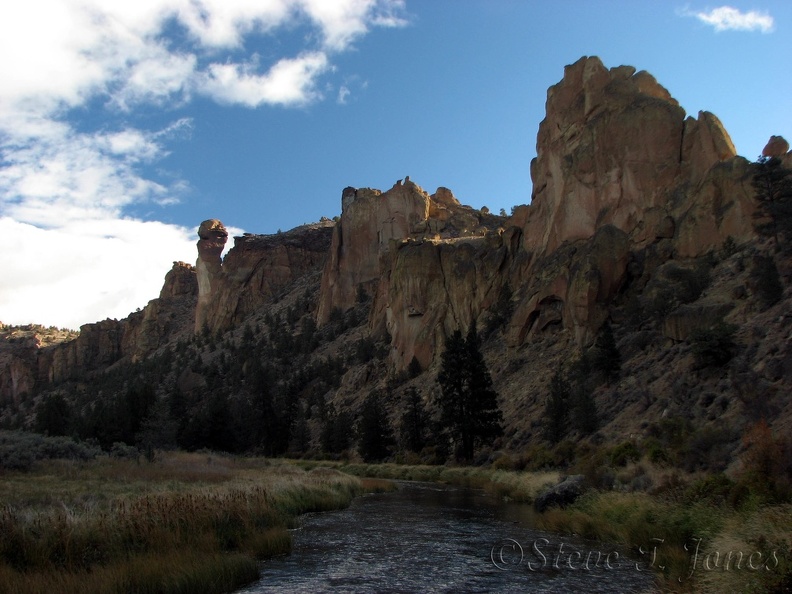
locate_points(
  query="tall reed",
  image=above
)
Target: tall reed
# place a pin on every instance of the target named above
(196, 534)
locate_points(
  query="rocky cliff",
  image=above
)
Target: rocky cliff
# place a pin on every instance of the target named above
(619, 170)
(39, 360)
(255, 270)
(632, 200)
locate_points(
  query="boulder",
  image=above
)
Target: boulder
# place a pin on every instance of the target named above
(777, 146)
(564, 493)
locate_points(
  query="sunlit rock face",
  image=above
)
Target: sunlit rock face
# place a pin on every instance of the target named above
(616, 149)
(212, 239)
(620, 168)
(777, 146)
(370, 219)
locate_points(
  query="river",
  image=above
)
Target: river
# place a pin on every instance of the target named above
(436, 538)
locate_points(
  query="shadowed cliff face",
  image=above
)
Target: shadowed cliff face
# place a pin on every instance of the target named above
(255, 270)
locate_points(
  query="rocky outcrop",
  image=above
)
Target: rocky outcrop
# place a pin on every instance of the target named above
(623, 183)
(564, 493)
(429, 288)
(162, 321)
(777, 146)
(373, 223)
(369, 221)
(212, 239)
(616, 149)
(681, 323)
(257, 268)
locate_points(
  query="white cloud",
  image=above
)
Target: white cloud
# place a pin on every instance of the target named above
(288, 82)
(343, 93)
(727, 18)
(69, 251)
(85, 271)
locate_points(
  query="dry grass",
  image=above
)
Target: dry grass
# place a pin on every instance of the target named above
(187, 523)
(687, 546)
(517, 486)
(753, 553)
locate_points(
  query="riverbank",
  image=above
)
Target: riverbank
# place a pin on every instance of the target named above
(185, 523)
(520, 487)
(693, 534)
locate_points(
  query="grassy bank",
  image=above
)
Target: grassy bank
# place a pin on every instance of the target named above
(185, 523)
(516, 486)
(691, 547)
(691, 536)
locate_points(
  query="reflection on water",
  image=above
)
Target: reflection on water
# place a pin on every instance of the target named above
(433, 538)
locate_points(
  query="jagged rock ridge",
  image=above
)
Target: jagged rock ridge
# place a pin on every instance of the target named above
(627, 191)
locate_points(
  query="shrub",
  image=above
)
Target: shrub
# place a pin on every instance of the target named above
(19, 449)
(715, 489)
(713, 346)
(729, 247)
(625, 452)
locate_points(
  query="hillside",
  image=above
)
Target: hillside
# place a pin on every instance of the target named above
(643, 221)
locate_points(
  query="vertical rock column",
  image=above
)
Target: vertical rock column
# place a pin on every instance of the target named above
(213, 236)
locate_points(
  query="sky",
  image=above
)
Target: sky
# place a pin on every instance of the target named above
(123, 125)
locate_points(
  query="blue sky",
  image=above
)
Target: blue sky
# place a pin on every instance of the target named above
(123, 125)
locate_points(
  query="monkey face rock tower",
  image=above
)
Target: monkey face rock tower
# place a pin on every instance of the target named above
(213, 237)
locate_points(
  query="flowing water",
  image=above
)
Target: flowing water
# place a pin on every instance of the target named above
(436, 538)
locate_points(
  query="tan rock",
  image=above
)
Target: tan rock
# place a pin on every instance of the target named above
(212, 239)
(615, 149)
(607, 150)
(777, 146)
(258, 267)
(370, 220)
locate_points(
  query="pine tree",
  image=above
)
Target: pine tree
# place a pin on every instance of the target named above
(556, 415)
(767, 280)
(468, 402)
(376, 438)
(414, 422)
(607, 358)
(773, 185)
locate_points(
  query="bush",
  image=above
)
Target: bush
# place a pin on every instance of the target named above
(729, 247)
(625, 452)
(714, 346)
(19, 450)
(715, 489)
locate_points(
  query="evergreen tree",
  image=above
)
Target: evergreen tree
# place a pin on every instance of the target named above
(376, 438)
(607, 358)
(556, 415)
(337, 432)
(300, 433)
(468, 402)
(767, 281)
(773, 185)
(414, 422)
(414, 369)
(53, 416)
(584, 410)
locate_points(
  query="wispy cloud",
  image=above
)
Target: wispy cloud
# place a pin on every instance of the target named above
(727, 18)
(66, 190)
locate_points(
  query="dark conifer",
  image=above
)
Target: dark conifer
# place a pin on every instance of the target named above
(468, 402)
